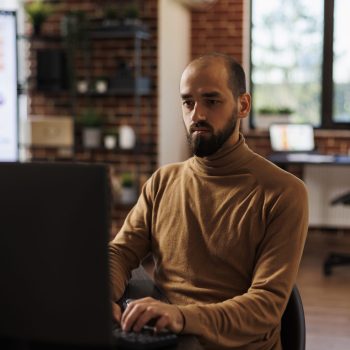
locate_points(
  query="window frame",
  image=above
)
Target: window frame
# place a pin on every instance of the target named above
(327, 84)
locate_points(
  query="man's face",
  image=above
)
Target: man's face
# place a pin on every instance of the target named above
(209, 109)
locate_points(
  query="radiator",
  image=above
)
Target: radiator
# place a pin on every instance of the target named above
(325, 183)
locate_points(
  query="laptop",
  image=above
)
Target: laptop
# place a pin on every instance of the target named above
(53, 263)
(294, 143)
(55, 288)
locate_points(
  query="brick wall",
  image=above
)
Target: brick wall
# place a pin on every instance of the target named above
(101, 59)
(104, 56)
(218, 28)
(104, 59)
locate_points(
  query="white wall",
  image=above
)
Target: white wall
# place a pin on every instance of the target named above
(174, 53)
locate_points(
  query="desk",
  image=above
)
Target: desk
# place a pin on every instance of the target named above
(326, 177)
(307, 159)
(186, 342)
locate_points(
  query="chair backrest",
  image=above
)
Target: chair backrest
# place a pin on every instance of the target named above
(293, 323)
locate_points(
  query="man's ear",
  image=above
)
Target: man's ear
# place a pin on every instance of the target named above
(244, 105)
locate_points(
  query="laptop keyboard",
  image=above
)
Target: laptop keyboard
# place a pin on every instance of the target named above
(146, 339)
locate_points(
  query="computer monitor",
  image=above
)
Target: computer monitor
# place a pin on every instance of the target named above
(54, 221)
(8, 87)
(292, 137)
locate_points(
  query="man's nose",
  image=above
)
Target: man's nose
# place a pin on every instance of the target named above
(198, 113)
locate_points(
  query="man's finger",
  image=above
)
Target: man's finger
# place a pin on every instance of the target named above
(130, 315)
(135, 307)
(162, 322)
(149, 314)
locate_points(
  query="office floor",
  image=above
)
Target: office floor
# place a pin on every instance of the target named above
(326, 299)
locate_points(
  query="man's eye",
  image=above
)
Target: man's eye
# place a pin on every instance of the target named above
(213, 102)
(187, 103)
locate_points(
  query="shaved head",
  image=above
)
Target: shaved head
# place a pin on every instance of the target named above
(236, 77)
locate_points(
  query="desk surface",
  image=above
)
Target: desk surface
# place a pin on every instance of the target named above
(186, 342)
(305, 158)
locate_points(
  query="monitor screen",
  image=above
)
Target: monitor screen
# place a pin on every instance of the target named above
(292, 137)
(54, 262)
(8, 87)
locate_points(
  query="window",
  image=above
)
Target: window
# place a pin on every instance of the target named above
(341, 62)
(300, 66)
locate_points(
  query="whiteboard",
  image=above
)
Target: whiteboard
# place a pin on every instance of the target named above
(8, 87)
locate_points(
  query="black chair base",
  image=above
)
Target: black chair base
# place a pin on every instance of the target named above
(335, 259)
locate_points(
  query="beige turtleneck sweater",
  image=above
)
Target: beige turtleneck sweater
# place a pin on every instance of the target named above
(227, 234)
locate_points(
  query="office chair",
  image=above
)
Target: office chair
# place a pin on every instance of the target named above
(293, 323)
(337, 259)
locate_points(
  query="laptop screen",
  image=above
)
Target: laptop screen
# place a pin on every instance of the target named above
(53, 261)
(292, 137)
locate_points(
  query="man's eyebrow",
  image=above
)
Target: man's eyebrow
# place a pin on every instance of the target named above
(204, 94)
(211, 94)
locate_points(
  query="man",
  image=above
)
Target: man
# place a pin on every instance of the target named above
(226, 227)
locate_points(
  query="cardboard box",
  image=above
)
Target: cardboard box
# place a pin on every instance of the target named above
(49, 132)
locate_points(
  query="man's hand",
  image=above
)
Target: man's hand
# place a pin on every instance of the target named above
(139, 312)
(116, 312)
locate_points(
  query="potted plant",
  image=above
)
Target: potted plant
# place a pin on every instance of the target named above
(38, 12)
(110, 139)
(90, 122)
(111, 16)
(268, 115)
(268, 110)
(132, 15)
(128, 193)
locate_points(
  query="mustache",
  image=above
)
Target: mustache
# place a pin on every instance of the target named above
(200, 125)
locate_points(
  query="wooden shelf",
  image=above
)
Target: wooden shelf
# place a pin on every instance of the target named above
(119, 32)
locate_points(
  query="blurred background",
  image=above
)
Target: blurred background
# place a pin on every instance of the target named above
(97, 81)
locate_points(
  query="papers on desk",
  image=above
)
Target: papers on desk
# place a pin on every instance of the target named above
(310, 158)
(342, 159)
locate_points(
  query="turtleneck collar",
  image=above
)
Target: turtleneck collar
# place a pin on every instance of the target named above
(227, 160)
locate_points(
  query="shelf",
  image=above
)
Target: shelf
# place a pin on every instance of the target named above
(123, 85)
(117, 92)
(130, 80)
(141, 149)
(121, 92)
(99, 32)
(79, 152)
(41, 38)
(119, 32)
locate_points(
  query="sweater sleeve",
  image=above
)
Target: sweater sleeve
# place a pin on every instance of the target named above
(252, 316)
(132, 242)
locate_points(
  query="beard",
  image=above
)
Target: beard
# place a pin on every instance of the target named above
(202, 145)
